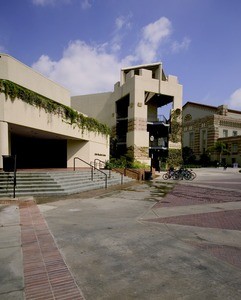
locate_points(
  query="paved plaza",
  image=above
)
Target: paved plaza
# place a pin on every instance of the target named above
(154, 240)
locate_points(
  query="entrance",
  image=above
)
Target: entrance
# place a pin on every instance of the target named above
(158, 157)
(39, 153)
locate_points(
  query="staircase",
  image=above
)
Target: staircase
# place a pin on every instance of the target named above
(52, 183)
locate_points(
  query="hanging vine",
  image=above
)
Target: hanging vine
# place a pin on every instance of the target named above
(176, 126)
(15, 91)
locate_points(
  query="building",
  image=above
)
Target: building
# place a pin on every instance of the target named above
(135, 113)
(203, 125)
(38, 125)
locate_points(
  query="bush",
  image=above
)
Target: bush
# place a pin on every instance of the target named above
(124, 162)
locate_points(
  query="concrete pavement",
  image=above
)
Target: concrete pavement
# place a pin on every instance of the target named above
(132, 243)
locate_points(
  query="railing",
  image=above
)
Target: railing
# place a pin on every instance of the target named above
(158, 119)
(122, 175)
(114, 169)
(162, 118)
(92, 170)
(138, 173)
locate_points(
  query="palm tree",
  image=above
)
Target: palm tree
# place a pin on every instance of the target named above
(220, 148)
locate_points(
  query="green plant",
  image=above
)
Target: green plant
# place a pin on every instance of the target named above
(139, 165)
(174, 157)
(69, 115)
(116, 163)
(176, 126)
(220, 148)
(188, 155)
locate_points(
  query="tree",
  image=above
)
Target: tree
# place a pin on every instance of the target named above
(188, 155)
(220, 148)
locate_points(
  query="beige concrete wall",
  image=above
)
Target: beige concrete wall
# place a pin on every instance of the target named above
(94, 105)
(15, 71)
(173, 88)
(87, 151)
(4, 141)
(38, 122)
(34, 121)
(133, 82)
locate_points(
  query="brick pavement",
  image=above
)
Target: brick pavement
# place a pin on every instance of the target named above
(183, 195)
(46, 275)
(186, 195)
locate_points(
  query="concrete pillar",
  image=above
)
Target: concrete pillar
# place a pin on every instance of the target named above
(4, 141)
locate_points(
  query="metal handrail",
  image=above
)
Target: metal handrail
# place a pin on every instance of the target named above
(97, 159)
(122, 175)
(113, 169)
(133, 171)
(92, 169)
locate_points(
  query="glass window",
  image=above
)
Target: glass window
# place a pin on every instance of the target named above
(234, 148)
(235, 133)
(203, 140)
(225, 133)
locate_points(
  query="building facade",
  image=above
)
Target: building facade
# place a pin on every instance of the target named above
(134, 111)
(38, 125)
(204, 125)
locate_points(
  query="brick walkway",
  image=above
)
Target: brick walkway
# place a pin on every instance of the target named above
(183, 195)
(46, 275)
(186, 195)
(230, 220)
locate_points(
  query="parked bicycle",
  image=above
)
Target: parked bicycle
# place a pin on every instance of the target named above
(180, 174)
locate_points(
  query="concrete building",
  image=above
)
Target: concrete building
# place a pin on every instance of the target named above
(38, 125)
(135, 112)
(203, 125)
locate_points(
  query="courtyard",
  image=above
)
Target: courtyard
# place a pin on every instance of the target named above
(154, 240)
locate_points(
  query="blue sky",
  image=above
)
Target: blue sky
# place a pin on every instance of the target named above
(82, 44)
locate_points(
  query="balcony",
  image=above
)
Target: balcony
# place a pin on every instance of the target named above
(159, 120)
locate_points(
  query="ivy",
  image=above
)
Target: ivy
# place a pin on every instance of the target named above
(176, 126)
(174, 157)
(15, 91)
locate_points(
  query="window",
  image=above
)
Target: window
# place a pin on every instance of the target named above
(234, 148)
(203, 140)
(191, 140)
(225, 133)
(187, 118)
(235, 133)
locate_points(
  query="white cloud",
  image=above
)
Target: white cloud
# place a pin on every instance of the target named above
(83, 69)
(43, 2)
(123, 22)
(85, 4)
(152, 36)
(235, 99)
(86, 68)
(184, 45)
(50, 2)
(122, 25)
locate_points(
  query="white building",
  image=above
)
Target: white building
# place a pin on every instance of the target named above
(204, 125)
(134, 111)
(38, 125)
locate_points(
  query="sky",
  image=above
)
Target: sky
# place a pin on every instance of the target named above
(83, 44)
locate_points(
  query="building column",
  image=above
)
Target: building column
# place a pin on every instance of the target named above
(137, 135)
(4, 141)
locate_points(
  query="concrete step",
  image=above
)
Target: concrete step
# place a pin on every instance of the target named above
(56, 183)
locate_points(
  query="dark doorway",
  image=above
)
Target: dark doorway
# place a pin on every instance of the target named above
(121, 125)
(39, 153)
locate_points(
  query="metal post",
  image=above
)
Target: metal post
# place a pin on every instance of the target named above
(15, 175)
